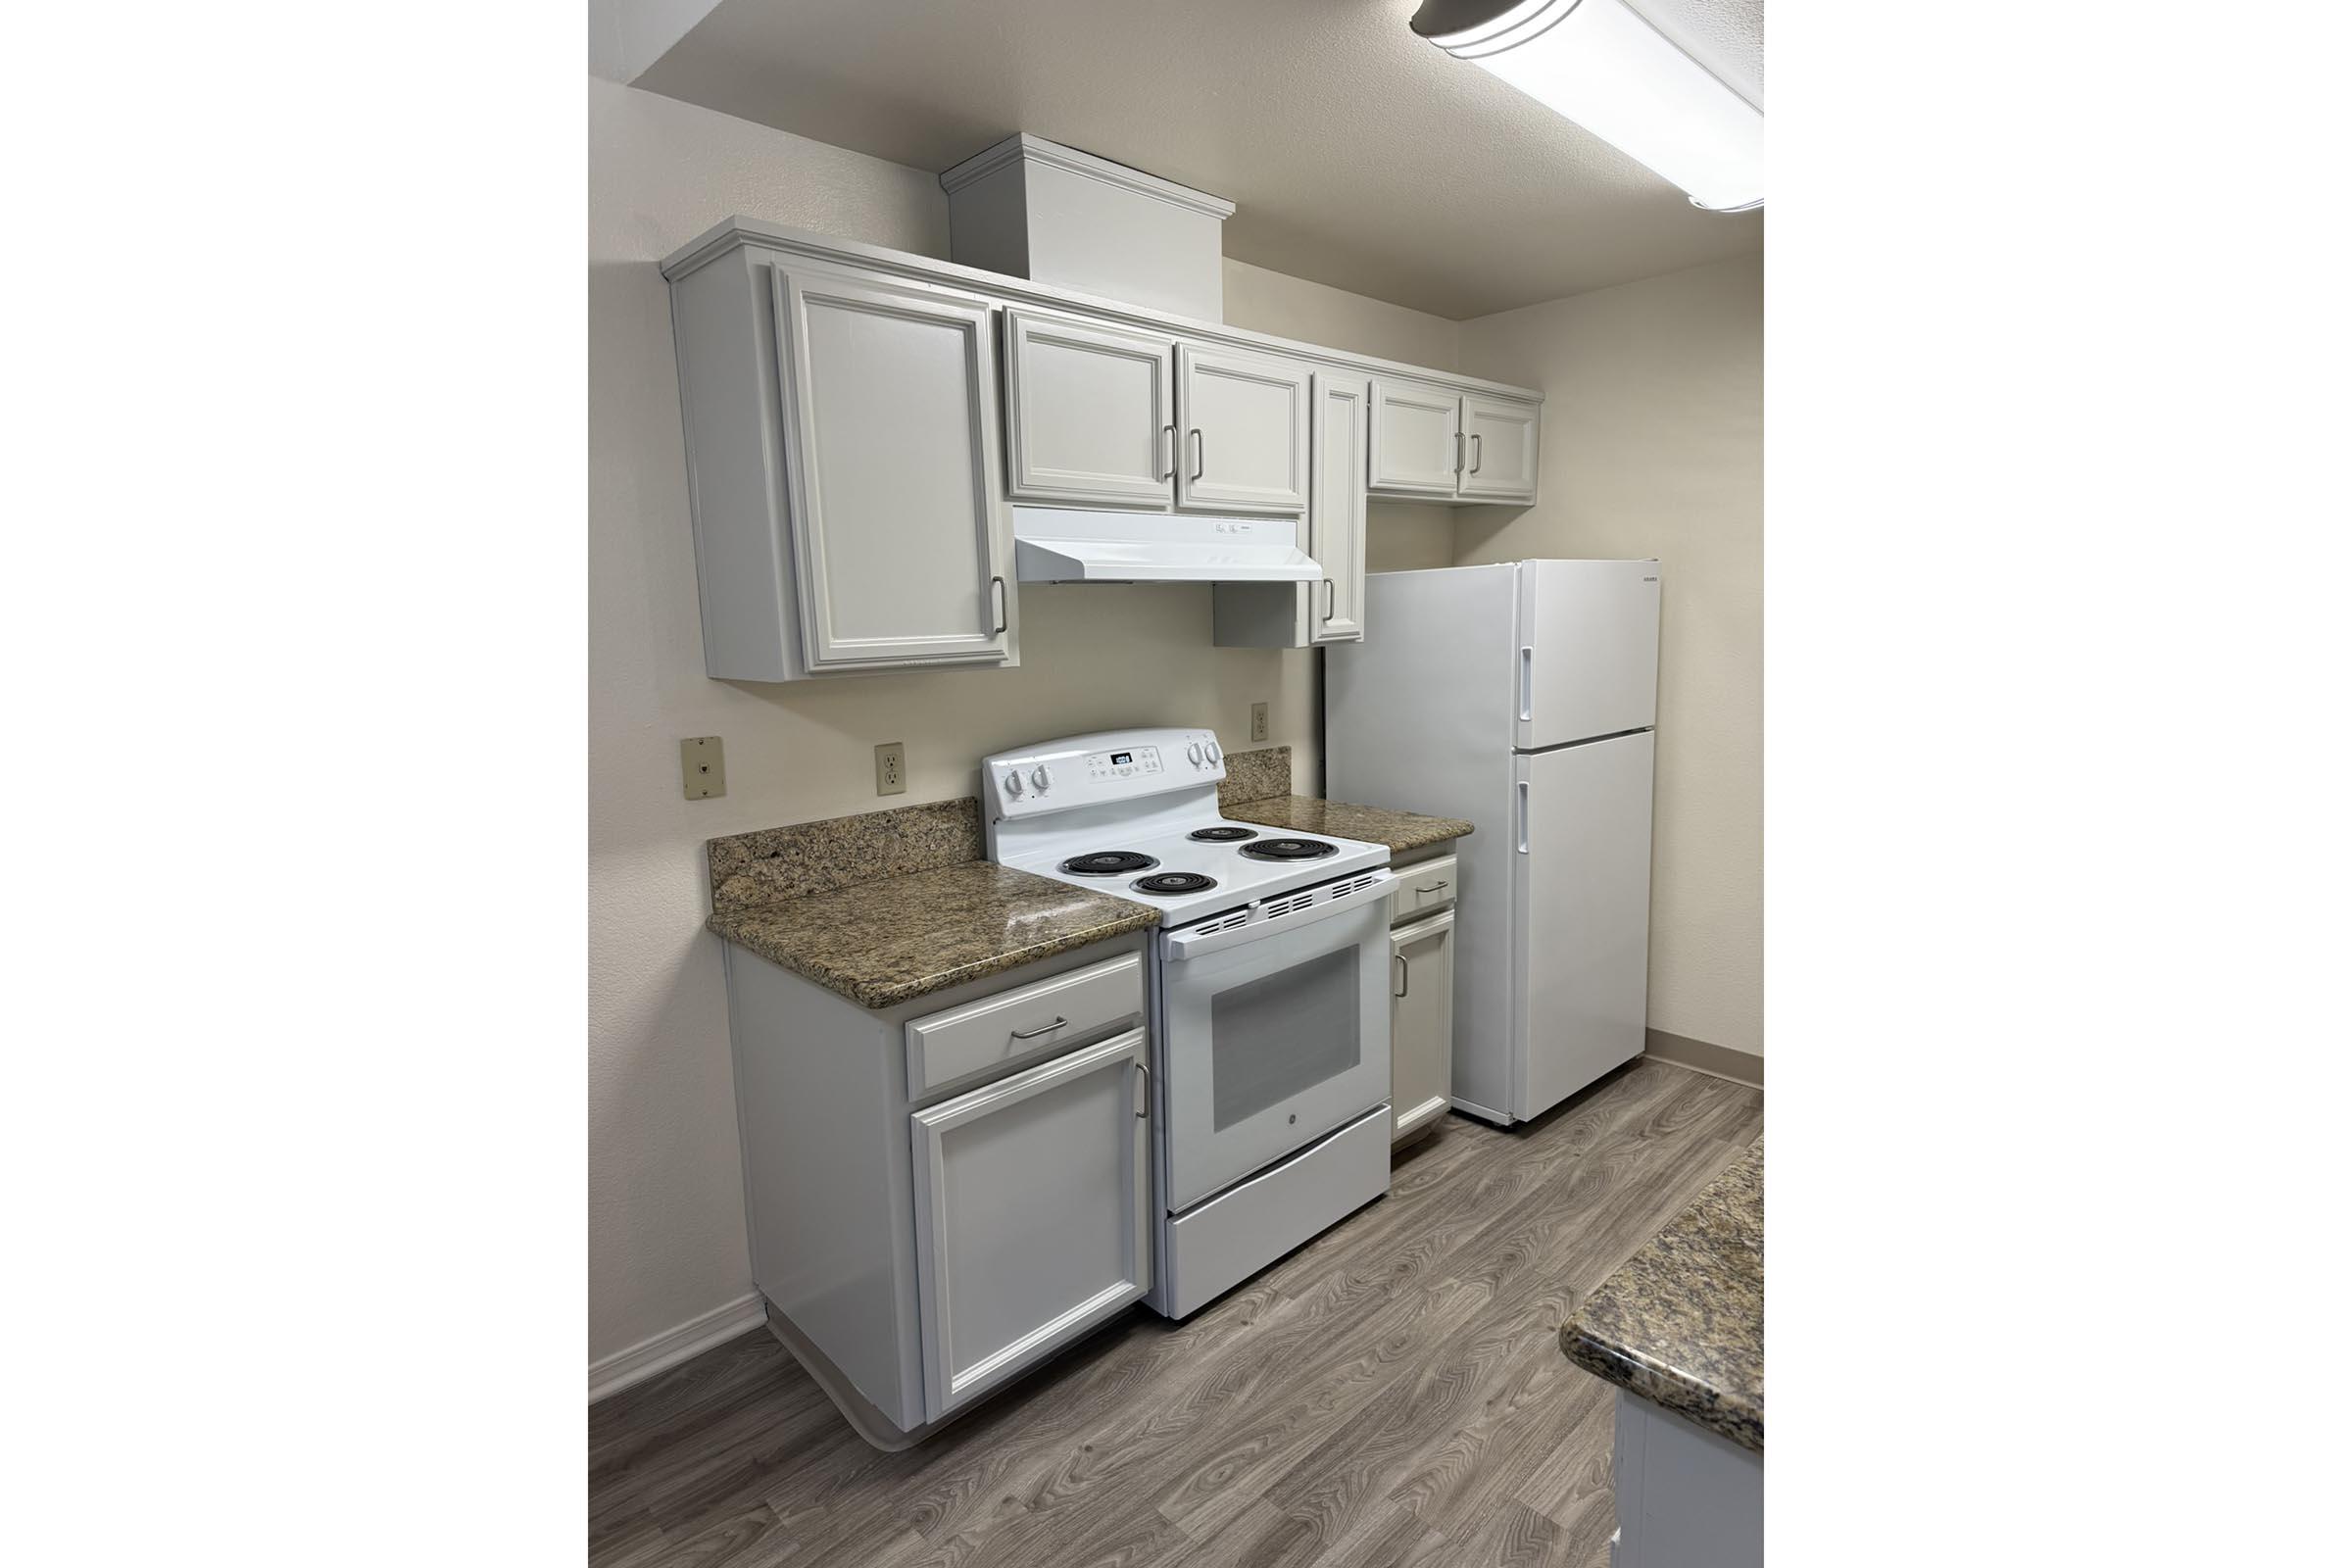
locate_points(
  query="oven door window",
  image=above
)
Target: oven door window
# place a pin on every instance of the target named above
(1276, 1038)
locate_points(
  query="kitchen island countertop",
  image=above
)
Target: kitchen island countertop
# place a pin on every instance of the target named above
(1681, 1324)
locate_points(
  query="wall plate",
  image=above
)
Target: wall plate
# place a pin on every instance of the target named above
(704, 763)
(1257, 721)
(890, 769)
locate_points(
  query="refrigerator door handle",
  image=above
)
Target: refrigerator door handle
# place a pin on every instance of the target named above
(1523, 808)
(1527, 684)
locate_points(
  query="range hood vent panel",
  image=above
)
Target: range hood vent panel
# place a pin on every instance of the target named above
(1059, 544)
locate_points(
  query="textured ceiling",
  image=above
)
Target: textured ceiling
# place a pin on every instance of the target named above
(1359, 156)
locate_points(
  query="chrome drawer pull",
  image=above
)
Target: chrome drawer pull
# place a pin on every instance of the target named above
(1041, 1029)
(1434, 887)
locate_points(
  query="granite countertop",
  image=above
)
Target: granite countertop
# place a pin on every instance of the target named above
(1305, 814)
(889, 941)
(1682, 1323)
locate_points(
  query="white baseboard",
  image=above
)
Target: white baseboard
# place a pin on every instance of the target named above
(665, 1349)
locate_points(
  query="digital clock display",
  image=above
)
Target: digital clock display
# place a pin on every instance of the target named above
(1121, 759)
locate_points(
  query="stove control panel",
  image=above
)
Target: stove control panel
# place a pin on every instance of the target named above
(1099, 770)
(1125, 764)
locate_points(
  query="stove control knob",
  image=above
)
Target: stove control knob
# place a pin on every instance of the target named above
(1193, 752)
(1012, 782)
(1041, 778)
(1214, 756)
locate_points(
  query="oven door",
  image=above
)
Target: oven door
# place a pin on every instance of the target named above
(1274, 1033)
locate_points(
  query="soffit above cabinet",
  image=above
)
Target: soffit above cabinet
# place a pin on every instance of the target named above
(1358, 155)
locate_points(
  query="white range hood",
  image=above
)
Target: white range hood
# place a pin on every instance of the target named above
(1060, 544)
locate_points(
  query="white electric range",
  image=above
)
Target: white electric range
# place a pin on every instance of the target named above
(1269, 991)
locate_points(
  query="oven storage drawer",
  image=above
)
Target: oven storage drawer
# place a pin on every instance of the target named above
(1233, 1235)
(966, 1043)
(1422, 887)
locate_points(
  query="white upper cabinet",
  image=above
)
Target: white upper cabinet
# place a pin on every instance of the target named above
(1242, 421)
(1499, 440)
(1088, 415)
(900, 537)
(1416, 432)
(1435, 443)
(1329, 609)
(860, 427)
(1343, 416)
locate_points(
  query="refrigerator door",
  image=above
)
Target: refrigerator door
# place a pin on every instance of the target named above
(1580, 853)
(1418, 716)
(1586, 662)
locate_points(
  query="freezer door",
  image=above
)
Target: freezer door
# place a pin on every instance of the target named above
(1580, 855)
(1587, 654)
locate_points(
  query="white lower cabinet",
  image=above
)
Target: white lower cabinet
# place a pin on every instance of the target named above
(1032, 1214)
(1420, 1023)
(1687, 1498)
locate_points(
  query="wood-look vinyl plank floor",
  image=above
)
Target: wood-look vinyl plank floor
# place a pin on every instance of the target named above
(1389, 1395)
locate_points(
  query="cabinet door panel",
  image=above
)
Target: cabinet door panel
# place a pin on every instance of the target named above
(1031, 1215)
(1336, 509)
(901, 541)
(1243, 420)
(1501, 463)
(1416, 442)
(1088, 414)
(1420, 1023)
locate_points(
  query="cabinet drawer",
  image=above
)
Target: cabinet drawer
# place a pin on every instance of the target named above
(1421, 888)
(995, 1032)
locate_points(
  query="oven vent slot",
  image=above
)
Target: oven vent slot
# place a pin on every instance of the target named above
(1240, 917)
(1292, 904)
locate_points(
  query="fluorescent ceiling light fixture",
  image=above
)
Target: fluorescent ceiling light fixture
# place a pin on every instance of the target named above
(1601, 65)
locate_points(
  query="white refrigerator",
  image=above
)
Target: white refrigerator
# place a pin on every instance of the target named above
(1521, 698)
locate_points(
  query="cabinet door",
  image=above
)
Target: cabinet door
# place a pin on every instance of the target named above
(902, 542)
(1420, 1023)
(1087, 414)
(1416, 438)
(1499, 462)
(1336, 509)
(1031, 1215)
(1243, 420)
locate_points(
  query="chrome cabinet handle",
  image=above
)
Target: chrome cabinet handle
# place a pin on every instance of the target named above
(1145, 1115)
(1169, 430)
(1199, 454)
(1434, 887)
(1404, 974)
(1457, 451)
(996, 588)
(1331, 594)
(1477, 456)
(1041, 1029)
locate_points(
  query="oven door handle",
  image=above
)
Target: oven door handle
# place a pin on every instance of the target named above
(1182, 944)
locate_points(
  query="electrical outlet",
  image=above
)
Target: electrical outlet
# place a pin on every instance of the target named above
(890, 769)
(704, 762)
(1257, 721)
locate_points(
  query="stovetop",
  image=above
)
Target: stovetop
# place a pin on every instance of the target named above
(1233, 877)
(1134, 813)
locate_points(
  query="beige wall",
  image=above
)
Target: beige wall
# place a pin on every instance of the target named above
(664, 1189)
(1653, 446)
